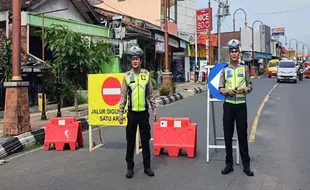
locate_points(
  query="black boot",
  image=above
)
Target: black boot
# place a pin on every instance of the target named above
(248, 172)
(129, 173)
(227, 170)
(149, 172)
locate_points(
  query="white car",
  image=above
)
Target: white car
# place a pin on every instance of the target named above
(287, 71)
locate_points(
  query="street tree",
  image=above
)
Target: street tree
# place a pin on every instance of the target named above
(75, 56)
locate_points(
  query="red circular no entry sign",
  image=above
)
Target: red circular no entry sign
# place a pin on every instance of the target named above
(111, 91)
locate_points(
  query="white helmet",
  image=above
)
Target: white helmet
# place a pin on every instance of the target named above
(135, 51)
(234, 44)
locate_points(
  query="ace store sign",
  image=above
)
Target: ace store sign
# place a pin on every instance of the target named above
(204, 20)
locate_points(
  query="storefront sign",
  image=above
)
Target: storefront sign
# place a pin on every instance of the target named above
(159, 44)
(203, 20)
(187, 37)
(183, 44)
(171, 42)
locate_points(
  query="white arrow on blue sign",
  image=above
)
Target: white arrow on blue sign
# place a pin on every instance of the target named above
(214, 80)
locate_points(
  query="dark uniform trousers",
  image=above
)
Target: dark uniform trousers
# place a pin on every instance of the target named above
(238, 113)
(135, 119)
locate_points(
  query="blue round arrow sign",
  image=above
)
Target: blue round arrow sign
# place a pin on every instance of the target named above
(214, 74)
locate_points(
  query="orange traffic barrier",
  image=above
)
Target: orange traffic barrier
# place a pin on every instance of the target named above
(174, 134)
(60, 131)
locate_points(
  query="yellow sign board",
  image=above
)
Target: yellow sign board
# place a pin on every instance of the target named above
(104, 95)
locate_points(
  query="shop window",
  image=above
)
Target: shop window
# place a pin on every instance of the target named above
(171, 10)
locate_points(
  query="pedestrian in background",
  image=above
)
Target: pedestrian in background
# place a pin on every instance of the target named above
(234, 85)
(197, 68)
(138, 88)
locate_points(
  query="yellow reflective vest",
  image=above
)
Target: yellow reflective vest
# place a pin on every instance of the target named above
(235, 78)
(137, 92)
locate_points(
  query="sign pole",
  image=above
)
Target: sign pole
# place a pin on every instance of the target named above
(196, 48)
(208, 122)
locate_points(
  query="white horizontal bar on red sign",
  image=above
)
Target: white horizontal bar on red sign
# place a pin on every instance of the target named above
(111, 91)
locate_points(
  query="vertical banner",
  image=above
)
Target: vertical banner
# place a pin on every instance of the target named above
(204, 20)
(104, 95)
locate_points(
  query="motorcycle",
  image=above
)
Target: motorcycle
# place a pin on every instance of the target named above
(300, 74)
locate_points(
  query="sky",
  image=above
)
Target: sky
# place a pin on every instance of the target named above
(293, 15)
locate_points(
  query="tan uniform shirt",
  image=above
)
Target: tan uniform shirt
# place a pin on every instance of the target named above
(124, 93)
(222, 88)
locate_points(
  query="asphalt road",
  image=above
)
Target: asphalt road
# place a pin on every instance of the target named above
(280, 155)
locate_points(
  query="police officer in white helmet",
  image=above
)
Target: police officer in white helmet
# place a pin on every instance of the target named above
(137, 87)
(234, 85)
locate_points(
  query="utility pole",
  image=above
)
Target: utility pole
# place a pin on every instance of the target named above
(16, 112)
(222, 11)
(209, 33)
(167, 74)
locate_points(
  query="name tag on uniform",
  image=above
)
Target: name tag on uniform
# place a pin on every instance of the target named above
(132, 79)
(142, 77)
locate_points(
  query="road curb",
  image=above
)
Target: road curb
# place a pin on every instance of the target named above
(169, 99)
(19, 143)
(16, 144)
(198, 90)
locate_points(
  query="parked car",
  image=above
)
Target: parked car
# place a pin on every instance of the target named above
(287, 71)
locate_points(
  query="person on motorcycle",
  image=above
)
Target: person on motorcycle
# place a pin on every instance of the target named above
(300, 69)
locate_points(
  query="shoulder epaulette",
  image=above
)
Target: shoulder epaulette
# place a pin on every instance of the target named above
(144, 71)
(128, 73)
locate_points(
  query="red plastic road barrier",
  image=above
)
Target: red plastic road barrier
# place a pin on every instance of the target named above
(60, 131)
(174, 134)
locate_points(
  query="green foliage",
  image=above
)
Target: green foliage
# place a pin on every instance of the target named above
(82, 99)
(6, 60)
(71, 53)
(164, 90)
(75, 56)
(261, 71)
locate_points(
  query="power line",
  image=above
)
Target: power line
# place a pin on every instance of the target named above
(286, 11)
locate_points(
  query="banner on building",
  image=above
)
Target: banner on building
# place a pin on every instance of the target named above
(104, 95)
(278, 31)
(203, 20)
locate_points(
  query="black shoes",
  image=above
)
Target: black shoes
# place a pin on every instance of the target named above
(227, 170)
(248, 172)
(129, 174)
(147, 171)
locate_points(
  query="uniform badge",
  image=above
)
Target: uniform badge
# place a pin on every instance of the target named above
(229, 73)
(132, 79)
(142, 77)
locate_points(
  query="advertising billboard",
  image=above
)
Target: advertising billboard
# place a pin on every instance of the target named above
(278, 31)
(203, 20)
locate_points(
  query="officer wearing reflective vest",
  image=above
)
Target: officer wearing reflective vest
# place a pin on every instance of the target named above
(234, 85)
(197, 72)
(137, 87)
